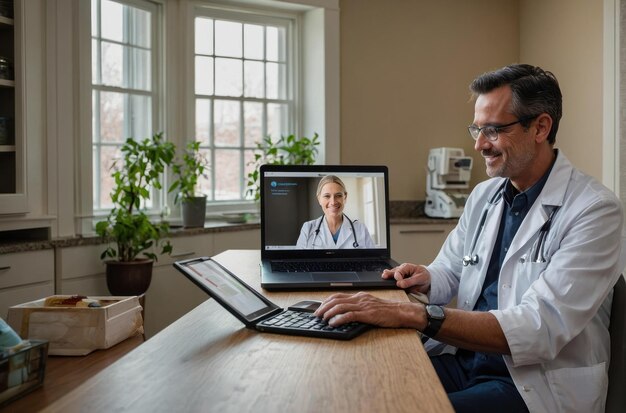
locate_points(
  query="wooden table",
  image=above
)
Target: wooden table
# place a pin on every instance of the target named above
(208, 361)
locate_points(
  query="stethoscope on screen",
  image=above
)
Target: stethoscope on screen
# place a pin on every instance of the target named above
(537, 256)
(355, 244)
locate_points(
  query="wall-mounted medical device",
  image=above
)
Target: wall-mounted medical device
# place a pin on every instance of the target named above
(447, 183)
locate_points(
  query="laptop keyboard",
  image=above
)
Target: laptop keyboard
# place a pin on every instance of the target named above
(305, 321)
(325, 266)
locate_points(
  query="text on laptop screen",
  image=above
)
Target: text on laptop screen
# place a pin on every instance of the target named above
(229, 290)
(294, 216)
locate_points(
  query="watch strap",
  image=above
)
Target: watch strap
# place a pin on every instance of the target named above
(433, 326)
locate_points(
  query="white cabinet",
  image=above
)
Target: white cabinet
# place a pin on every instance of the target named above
(25, 276)
(418, 243)
(81, 271)
(237, 240)
(171, 295)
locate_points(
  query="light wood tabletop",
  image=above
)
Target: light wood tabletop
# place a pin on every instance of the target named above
(208, 361)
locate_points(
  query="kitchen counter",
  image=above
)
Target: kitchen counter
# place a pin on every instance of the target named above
(211, 226)
(412, 212)
(400, 213)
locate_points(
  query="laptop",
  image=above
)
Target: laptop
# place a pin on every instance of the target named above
(296, 247)
(256, 311)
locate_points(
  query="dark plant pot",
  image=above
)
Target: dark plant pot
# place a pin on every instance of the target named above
(194, 211)
(129, 278)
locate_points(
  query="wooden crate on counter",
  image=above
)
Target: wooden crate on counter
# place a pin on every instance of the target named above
(76, 331)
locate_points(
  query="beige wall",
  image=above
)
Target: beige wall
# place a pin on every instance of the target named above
(406, 65)
(405, 70)
(565, 36)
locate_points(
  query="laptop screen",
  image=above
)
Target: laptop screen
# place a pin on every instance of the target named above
(295, 218)
(222, 285)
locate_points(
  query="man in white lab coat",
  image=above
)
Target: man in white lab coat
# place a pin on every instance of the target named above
(532, 262)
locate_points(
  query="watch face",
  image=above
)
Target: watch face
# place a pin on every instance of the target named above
(435, 311)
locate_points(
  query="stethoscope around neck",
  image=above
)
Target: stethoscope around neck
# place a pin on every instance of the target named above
(536, 256)
(355, 244)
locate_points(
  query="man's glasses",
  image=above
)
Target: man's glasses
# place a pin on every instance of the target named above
(491, 131)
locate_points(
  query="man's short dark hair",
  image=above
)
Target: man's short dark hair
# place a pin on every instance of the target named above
(535, 91)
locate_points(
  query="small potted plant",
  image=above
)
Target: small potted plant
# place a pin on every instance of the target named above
(288, 150)
(131, 235)
(187, 171)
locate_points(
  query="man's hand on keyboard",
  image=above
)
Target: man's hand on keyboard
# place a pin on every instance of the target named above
(342, 308)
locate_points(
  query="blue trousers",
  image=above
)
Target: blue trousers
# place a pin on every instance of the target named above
(470, 395)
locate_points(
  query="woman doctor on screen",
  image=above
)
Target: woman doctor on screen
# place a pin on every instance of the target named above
(333, 229)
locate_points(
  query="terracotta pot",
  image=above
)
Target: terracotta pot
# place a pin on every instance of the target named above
(129, 278)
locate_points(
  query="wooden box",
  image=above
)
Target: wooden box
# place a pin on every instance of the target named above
(76, 331)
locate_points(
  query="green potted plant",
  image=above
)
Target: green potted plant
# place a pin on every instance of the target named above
(131, 235)
(288, 150)
(186, 173)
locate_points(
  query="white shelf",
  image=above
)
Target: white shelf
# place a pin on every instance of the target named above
(7, 83)
(6, 21)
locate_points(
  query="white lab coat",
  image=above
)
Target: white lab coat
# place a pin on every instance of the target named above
(324, 240)
(555, 314)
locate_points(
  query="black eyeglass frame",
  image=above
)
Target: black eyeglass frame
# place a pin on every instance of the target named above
(495, 128)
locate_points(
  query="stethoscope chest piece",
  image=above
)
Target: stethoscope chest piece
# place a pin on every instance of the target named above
(472, 257)
(467, 260)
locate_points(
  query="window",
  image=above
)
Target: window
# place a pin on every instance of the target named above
(227, 77)
(243, 76)
(370, 208)
(125, 96)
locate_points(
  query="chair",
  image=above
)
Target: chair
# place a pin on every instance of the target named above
(616, 397)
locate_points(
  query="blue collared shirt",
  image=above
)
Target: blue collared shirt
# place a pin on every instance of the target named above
(336, 235)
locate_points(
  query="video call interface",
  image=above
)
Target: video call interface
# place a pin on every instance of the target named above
(289, 200)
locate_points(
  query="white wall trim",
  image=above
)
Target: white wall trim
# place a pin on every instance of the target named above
(610, 121)
(321, 73)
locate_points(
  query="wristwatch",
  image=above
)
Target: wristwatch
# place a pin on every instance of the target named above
(435, 316)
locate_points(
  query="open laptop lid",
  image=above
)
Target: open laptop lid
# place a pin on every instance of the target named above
(233, 294)
(288, 199)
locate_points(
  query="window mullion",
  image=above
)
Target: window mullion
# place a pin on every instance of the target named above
(99, 43)
(98, 152)
(212, 117)
(212, 145)
(242, 158)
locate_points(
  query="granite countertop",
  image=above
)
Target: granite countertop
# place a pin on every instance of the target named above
(400, 212)
(412, 212)
(210, 226)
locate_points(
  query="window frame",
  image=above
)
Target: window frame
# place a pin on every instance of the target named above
(291, 22)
